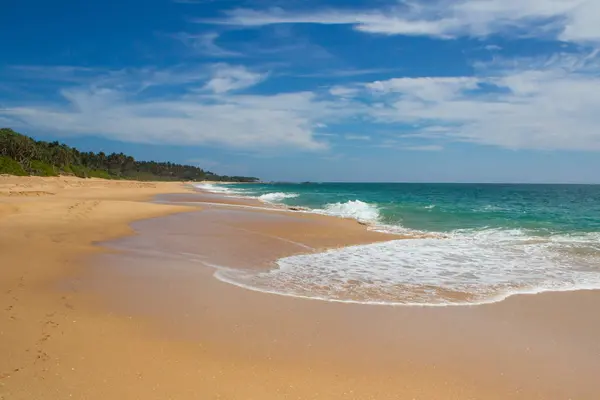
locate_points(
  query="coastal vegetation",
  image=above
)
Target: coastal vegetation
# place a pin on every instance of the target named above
(22, 155)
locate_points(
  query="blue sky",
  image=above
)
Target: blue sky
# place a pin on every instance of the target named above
(438, 90)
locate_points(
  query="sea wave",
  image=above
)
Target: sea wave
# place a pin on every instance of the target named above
(489, 208)
(276, 197)
(359, 210)
(467, 267)
(460, 267)
(216, 188)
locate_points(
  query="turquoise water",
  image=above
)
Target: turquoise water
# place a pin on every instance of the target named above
(445, 207)
(494, 241)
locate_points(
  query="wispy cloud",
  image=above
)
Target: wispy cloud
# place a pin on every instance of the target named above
(426, 88)
(227, 78)
(110, 105)
(569, 20)
(205, 44)
(492, 47)
(343, 73)
(54, 73)
(548, 103)
(357, 137)
(431, 147)
(528, 104)
(343, 91)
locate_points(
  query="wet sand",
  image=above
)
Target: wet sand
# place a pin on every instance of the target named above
(48, 339)
(59, 340)
(147, 319)
(527, 347)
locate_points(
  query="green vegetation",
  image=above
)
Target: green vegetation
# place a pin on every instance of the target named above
(41, 168)
(98, 173)
(22, 155)
(10, 166)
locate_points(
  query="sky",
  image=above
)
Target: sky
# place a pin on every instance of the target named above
(379, 90)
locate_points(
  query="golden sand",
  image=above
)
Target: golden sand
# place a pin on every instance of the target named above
(132, 326)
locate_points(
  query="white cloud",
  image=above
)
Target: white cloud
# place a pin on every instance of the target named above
(570, 20)
(205, 44)
(125, 79)
(375, 22)
(427, 88)
(227, 78)
(582, 22)
(342, 73)
(110, 105)
(245, 123)
(550, 105)
(492, 47)
(343, 91)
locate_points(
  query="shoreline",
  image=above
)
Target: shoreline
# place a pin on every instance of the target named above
(87, 321)
(241, 200)
(253, 203)
(488, 351)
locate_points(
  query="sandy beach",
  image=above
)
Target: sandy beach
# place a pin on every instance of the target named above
(91, 311)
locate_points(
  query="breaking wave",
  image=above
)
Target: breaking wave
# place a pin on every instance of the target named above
(356, 209)
(277, 197)
(216, 188)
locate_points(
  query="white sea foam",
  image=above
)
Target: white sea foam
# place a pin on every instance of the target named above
(356, 209)
(214, 188)
(276, 197)
(468, 267)
(488, 208)
(463, 267)
(223, 189)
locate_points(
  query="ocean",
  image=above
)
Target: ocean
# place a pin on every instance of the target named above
(485, 242)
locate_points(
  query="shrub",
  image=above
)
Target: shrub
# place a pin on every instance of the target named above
(98, 173)
(11, 167)
(40, 168)
(79, 171)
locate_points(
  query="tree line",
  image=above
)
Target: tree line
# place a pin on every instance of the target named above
(22, 155)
